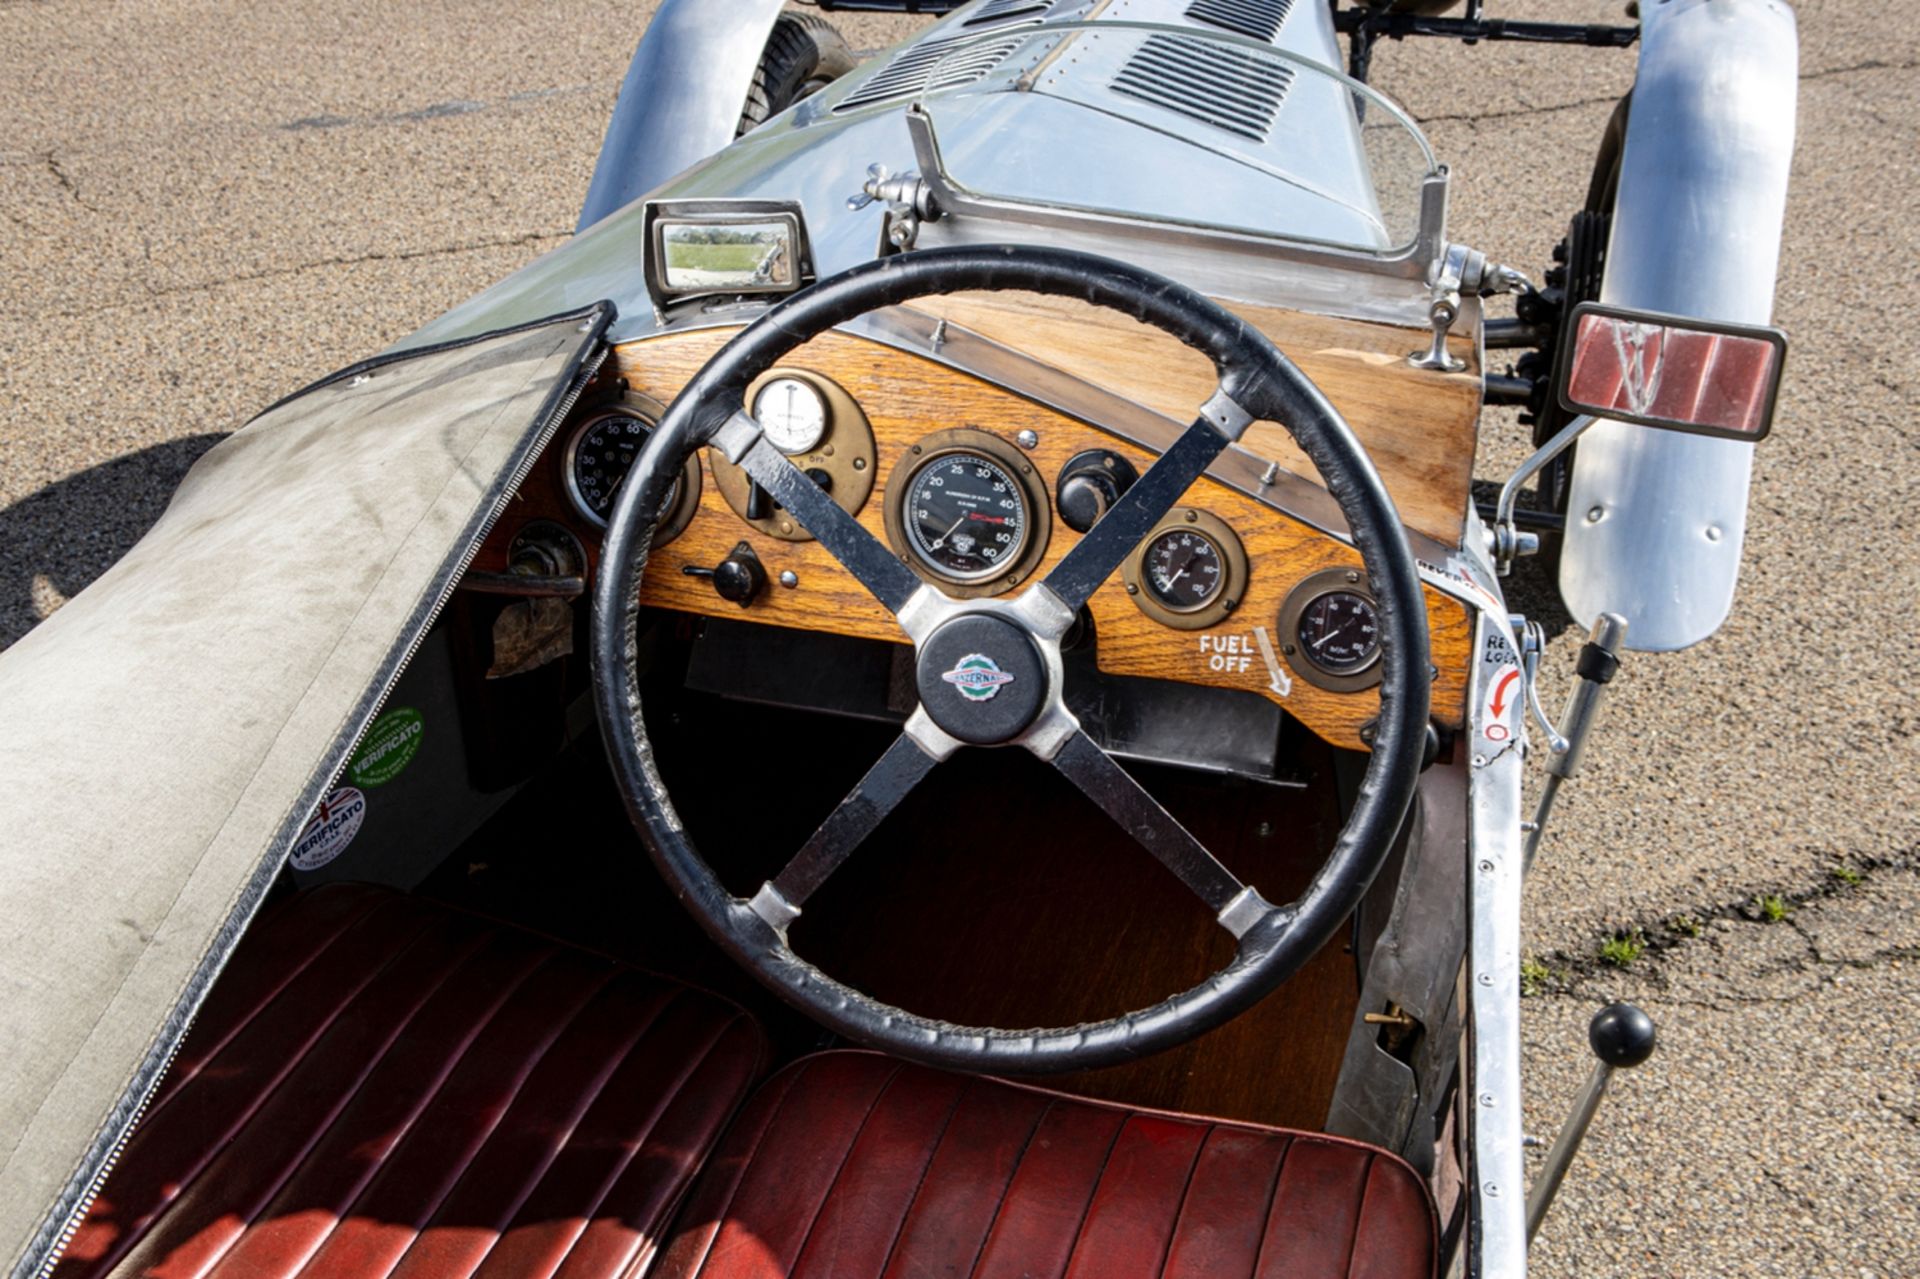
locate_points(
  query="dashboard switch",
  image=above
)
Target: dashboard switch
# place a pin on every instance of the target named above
(1089, 484)
(740, 577)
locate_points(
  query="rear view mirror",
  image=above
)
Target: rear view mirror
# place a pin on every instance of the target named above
(1669, 371)
(699, 248)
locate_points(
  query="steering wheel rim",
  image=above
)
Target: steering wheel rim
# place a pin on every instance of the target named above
(1256, 382)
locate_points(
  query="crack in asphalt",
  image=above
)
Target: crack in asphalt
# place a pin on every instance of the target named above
(405, 255)
(436, 110)
(1473, 117)
(1569, 973)
(153, 291)
(66, 183)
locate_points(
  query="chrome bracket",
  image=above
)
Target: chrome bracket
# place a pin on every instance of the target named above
(1506, 542)
(1459, 270)
(909, 200)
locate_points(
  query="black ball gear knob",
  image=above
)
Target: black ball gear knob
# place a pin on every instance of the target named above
(1621, 1035)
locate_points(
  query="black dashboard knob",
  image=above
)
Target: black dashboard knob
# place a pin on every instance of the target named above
(740, 577)
(1089, 484)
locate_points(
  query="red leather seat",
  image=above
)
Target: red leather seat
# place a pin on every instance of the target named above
(381, 1086)
(858, 1166)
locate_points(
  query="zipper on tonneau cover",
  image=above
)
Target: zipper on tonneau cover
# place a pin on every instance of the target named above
(583, 376)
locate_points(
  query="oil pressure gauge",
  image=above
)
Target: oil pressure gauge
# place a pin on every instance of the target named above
(822, 430)
(1190, 572)
(792, 412)
(1330, 631)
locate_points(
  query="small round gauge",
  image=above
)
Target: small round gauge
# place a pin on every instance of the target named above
(966, 517)
(1184, 569)
(793, 414)
(1190, 572)
(599, 456)
(1339, 632)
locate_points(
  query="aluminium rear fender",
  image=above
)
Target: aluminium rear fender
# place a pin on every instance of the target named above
(682, 98)
(1656, 519)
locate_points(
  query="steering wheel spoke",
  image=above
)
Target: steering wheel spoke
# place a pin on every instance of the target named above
(858, 551)
(890, 780)
(1236, 905)
(1094, 558)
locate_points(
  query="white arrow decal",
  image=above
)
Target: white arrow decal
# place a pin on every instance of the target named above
(1281, 682)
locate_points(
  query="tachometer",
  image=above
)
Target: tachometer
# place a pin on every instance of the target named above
(964, 509)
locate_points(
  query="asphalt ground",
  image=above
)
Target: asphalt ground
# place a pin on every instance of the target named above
(204, 207)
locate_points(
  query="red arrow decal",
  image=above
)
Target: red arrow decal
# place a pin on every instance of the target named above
(1500, 692)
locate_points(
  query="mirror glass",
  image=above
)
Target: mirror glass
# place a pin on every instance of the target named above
(727, 257)
(1649, 369)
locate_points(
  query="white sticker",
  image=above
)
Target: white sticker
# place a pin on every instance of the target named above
(333, 827)
(1503, 695)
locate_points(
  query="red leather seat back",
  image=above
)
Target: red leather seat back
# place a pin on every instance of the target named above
(381, 1086)
(857, 1166)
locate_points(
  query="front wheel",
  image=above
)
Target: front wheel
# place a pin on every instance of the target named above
(804, 54)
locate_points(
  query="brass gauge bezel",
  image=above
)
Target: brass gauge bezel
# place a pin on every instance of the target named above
(967, 439)
(686, 501)
(1328, 581)
(1233, 559)
(846, 452)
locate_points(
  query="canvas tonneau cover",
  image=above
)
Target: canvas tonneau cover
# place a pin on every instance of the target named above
(165, 735)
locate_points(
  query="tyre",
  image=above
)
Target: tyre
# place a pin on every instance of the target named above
(1581, 264)
(804, 54)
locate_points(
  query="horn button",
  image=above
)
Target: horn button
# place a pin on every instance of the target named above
(981, 679)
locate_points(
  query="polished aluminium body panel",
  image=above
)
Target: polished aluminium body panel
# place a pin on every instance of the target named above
(682, 97)
(1656, 519)
(817, 154)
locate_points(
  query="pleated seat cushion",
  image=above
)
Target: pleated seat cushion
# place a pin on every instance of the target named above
(858, 1166)
(379, 1086)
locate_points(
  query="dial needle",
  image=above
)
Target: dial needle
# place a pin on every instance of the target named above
(941, 541)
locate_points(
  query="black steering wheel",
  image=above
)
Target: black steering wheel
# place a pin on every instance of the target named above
(1021, 637)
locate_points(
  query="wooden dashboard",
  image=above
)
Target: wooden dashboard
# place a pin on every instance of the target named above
(906, 397)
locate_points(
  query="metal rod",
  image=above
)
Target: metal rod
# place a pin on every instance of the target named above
(1599, 659)
(1621, 1037)
(1540, 814)
(1565, 1147)
(1506, 544)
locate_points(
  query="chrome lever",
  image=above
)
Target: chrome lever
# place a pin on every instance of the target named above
(1531, 639)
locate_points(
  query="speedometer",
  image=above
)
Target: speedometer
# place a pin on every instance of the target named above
(599, 456)
(603, 448)
(964, 509)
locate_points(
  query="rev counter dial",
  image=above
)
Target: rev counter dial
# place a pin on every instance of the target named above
(599, 456)
(964, 509)
(966, 517)
(602, 449)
